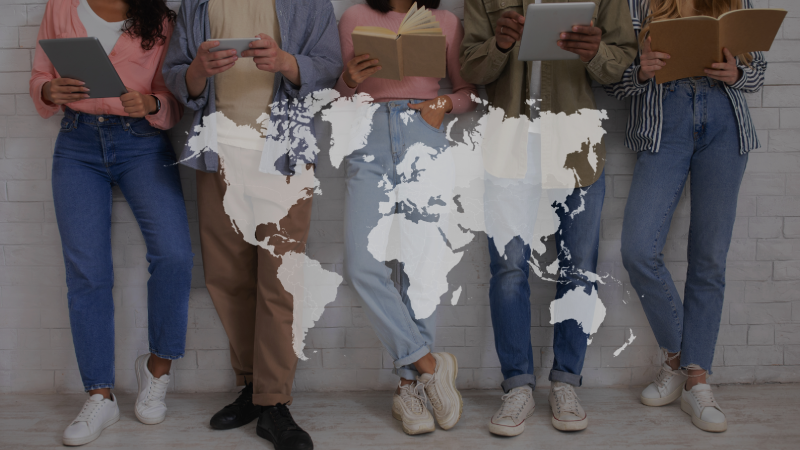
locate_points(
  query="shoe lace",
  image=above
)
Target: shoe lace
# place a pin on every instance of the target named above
(566, 399)
(664, 375)
(513, 402)
(245, 396)
(90, 408)
(705, 399)
(433, 395)
(158, 389)
(413, 396)
(282, 418)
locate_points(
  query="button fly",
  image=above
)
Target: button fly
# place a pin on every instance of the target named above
(101, 120)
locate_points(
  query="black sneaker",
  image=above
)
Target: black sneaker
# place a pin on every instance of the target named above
(277, 426)
(240, 412)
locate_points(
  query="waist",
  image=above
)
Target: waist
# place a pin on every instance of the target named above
(98, 120)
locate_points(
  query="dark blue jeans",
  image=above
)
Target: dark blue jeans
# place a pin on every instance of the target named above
(92, 154)
(700, 136)
(577, 241)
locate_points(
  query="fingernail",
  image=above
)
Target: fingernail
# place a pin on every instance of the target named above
(563, 35)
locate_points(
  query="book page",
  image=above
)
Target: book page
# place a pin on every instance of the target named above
(692, 43)
(750, 30)
(375, 31)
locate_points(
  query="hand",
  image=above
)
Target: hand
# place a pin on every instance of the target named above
(268, 56)
(433, 111)
(359, 69)
(650, 62)
(728, 71)
(508, 29)
(137, 104)
(60, 91)
(583, 41)
(206, 64)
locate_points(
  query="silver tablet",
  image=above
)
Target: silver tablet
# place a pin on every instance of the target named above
(84, 59)
(544, 23)
(237, 44)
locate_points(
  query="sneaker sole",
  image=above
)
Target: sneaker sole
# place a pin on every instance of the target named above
(662, 401)
(397, 416)
(85, 440)
(574, 425)
(702, 424)
(502, 430)
(144, 420)
(450, 423)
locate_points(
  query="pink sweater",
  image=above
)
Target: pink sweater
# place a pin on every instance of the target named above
(422, 88)
(139, 69)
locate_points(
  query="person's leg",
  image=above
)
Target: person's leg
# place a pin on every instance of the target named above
(82, 200)
(145, 170)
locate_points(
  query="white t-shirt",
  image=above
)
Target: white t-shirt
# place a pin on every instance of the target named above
(536, 84)
(106, 32)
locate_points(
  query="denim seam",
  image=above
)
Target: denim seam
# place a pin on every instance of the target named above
(166, 356)
(99, 386)
(566, 377)
(514, 382)
(655, 258)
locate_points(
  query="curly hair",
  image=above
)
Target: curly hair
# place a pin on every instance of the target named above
(146, 21)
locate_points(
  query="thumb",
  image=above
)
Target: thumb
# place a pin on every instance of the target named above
(646, 45)
(416, 106)
(728, 55)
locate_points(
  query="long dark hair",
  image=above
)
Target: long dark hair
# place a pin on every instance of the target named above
(385, 6)
(146, 21)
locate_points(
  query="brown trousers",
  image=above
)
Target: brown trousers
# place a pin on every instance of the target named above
(255, 309)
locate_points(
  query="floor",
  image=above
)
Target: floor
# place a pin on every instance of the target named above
(758, 417)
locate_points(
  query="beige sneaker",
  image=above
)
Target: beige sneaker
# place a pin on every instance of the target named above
(441, 390)
(409, 407)
(665, 389)
(568, 415)
(517, 406)
(706, 414)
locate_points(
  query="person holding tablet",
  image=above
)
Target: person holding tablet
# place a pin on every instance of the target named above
(105, 142)
(673, 141)
(605, 48)
(295, 55)
(410, 111)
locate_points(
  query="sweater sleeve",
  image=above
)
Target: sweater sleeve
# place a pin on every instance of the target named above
(171, 110)
(462, 90)
(346, 25)
(43, 70)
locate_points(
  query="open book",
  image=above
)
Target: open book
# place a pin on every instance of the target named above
(694, 43)
(418, 49)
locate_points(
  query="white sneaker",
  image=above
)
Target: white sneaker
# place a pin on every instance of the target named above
(706, 414)
(409, 407)
(150, 407)
(441, 390)
(568, 415)
(517, 406)
(665, 389)
(98, 413)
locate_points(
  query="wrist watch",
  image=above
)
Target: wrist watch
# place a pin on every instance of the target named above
(158, 105)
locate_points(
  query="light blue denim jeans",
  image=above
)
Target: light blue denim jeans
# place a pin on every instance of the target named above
(699, 137)
(381, 288)
(92, 154)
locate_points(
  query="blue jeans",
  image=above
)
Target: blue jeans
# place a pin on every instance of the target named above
(699, 137)
(92, 154)
(384, 297)
(577, 241)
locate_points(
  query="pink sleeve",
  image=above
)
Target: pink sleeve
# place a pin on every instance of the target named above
(346, 25)
(462, 90)
(171, 111)
(43, 71)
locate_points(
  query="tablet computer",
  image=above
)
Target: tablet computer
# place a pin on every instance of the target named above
(85, 60)
(237, 44)
(545, 22)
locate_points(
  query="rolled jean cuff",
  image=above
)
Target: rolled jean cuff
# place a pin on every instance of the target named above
(164, 355)
(566, 377)
(517, 381)
(406, 372)
(99, 386)
(412, 358)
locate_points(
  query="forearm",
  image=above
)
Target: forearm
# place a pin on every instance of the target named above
(195, 83)
(290, 69)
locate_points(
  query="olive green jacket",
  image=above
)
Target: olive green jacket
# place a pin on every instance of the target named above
(566, 85)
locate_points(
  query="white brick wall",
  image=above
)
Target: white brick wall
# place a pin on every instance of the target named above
(759, 338)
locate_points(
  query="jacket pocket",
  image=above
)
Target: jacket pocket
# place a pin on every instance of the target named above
(500, 5)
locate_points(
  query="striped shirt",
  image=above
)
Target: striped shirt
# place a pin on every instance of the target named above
(643, 131)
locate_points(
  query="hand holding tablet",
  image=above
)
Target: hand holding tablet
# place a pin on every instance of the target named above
(559, 31)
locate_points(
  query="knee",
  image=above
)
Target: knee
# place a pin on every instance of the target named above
(514, 259)
(635, 255)
(175, 259)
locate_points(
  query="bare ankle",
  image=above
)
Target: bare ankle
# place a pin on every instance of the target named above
(158, 366)
(106, 392)
(674, 360)
(426, 364)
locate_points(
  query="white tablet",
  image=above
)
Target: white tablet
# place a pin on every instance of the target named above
(545, 22)
(85, 60)
(237, 44)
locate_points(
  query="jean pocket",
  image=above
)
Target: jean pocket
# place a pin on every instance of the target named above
(67, 125)
(140, 128)
(425, 123)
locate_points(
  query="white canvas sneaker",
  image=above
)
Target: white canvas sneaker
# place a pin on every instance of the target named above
(706, 414)
(517, 406)
(409, 407)
(150, 408)
(665, 389)
(568, 415)
(98, 413)
(441, 390)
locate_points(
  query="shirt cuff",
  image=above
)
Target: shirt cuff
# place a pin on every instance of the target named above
(741, 83)
(635, 78)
